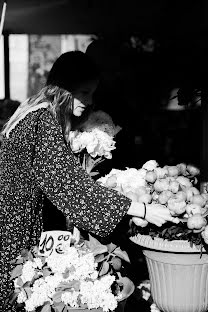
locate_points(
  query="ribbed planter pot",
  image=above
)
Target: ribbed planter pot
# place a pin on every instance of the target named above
(178, 276)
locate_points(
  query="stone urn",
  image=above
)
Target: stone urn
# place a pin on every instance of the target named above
(178, 274)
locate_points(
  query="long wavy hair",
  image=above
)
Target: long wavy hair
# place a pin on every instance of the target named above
(58, 101)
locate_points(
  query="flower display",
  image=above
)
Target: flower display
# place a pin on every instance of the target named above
(80, 275)
(94, 140)
(174, 187)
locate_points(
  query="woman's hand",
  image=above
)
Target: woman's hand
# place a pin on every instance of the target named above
(155, 213)
(159, 214)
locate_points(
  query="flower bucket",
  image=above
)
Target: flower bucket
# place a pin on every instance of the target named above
(178, 275)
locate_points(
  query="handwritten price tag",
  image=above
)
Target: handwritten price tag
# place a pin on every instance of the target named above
(54, 242)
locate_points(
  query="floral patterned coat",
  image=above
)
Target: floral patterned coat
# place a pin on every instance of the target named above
(35, 162)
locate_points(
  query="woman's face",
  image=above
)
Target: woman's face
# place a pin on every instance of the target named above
(83, 97)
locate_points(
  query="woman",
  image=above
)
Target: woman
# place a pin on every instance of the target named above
(36, 162)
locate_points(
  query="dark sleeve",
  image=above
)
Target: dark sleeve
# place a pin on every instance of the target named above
(89, 205)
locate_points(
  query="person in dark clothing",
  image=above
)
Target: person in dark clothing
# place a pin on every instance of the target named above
(36, 162)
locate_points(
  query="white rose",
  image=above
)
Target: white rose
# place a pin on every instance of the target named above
(150, 165)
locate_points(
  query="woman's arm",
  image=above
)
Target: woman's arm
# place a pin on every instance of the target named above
(89, 205)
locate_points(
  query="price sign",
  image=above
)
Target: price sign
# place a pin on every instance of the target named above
(54, 242)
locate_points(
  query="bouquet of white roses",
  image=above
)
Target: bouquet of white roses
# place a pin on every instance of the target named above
(95, 139)
(171, 186)
(79, 274)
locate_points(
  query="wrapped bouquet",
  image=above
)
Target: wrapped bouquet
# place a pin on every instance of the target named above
(94, 141)
(171, 186)
(66, 273)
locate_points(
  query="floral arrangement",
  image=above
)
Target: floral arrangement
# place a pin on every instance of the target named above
(83, 274)
(94, 141)
(174, 187)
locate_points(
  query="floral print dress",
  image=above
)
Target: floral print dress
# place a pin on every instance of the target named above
(35, 162)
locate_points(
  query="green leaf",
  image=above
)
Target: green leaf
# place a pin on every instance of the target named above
(68, 285)
(30, 256)
(57, 297)
(100, 258)
(111, 247)
(46, 308)
(17, 271)
(95, 246)
(19, 260)
(104, 268)
(121, 254)
(28, 291)
(93, 173)
(46, 272)
(20, 282)
(58, 307)
(13, 298)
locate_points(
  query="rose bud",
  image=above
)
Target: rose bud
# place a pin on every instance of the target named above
(180, 196)
(174, 186)
(161, 185)
(155, 196)
(176, 207)
(150, 165)
(199, 200)
(151, 176)
(192, 209)
(190, 192)
(173, 171)
(196, 222)
(184, 181)
(193, 170)
(182, 169)
(164, 196)
(161, 172)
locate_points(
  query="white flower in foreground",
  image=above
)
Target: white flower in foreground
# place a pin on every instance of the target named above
(39, 295)
(150, 165)
(96, 142)
(52, 282)
(60, 262)
(37, 263)
(21, 297)
(28, 271)
(84, 267)
(98, 294)
(129, 180)
(70, 298)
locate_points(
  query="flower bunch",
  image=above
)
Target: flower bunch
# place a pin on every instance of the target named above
(80, 276)
(171, 186)
(102, 121)
(94, 140)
